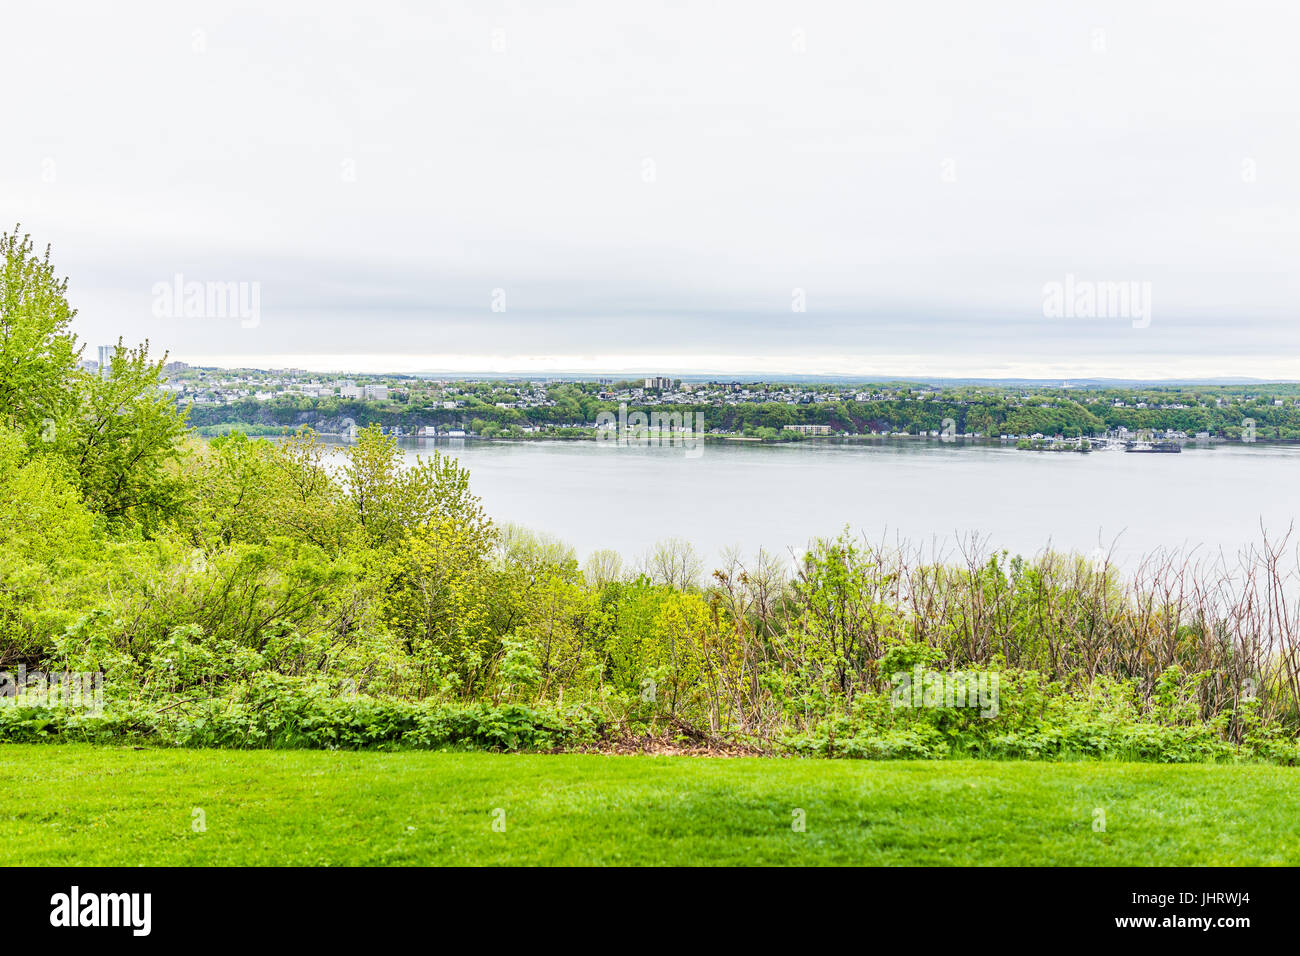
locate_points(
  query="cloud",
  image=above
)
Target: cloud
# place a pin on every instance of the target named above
(665, 186)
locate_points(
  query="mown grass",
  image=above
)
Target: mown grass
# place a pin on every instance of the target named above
(76, 804)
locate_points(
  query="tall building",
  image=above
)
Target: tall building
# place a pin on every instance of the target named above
(105, 360)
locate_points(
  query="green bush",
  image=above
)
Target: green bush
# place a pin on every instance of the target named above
(283, 713)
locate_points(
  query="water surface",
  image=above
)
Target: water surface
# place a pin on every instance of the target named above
(779, 497)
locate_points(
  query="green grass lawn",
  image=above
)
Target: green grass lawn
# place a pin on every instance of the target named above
(74, 804)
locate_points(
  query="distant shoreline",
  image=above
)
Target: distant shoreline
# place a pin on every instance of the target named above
(264, 431)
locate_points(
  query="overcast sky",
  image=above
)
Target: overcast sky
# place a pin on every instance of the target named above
(662, 189)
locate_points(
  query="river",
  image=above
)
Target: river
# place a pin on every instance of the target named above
(780, 496)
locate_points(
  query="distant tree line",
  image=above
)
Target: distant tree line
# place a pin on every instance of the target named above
(1080, 414)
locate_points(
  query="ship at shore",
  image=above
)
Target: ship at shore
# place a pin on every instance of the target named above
(1154, 447)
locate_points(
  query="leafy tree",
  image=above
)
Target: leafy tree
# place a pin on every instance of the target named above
(389, 500)
(241, 489)
(117, 430)
(121, 437)
(37, 352)
(437, 601)
(46, 534)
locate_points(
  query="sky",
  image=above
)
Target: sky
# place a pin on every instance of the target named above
(816, 188)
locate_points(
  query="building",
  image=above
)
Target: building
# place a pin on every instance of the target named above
(105, 360)
(809, 429)
(663, 384)
(376, 393)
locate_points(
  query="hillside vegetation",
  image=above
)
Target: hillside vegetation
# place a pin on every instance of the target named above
(254, 593)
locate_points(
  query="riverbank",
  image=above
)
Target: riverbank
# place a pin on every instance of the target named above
(673, 440)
